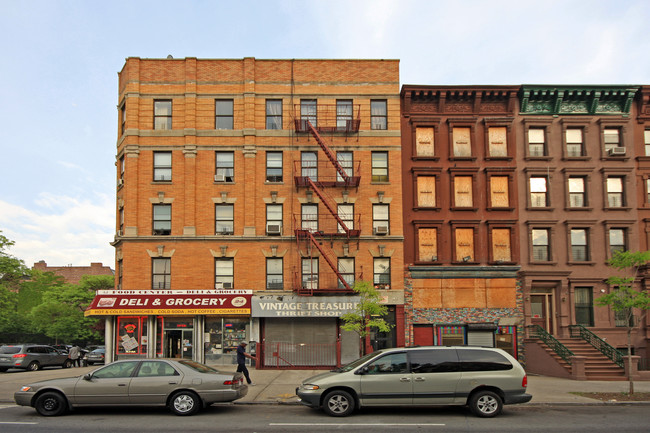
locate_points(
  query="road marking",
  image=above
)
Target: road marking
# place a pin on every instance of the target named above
(353, 425)
(20, 423)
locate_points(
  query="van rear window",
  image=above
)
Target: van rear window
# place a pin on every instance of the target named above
(482, 360)
(10, 349)
(434, 361)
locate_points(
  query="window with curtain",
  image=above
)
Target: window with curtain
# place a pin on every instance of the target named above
(274, 167)
(162, 219)
(577, 196)
(308, 112)
(579, 245)
(540, 239)
(378, 114)
(274, 114)
(344, 158)
(225, 219)
(225, 166)
(309, 165)
(161, 273)
(224, 273)
(162, 166)
(274, 273)
(343, 114)
(162, 115)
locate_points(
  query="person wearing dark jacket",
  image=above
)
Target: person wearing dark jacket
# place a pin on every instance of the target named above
(241, 361)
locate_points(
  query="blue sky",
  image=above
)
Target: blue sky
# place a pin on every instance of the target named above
(59, 64)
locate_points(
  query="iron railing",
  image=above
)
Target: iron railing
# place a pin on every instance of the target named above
(597, 342)
(560, 349)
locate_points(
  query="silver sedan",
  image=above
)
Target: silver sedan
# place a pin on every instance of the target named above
(182, 385)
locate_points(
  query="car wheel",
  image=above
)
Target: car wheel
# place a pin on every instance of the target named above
(3, 369)
(338, 403)
(34, 366)
(51, 404)
(485, 404)
(67, 363)
(184, 403)
(90, 363)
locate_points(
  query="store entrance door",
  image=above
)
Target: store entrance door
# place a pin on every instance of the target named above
(178, 343)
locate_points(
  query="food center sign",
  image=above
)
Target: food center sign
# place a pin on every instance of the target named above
(176, 302)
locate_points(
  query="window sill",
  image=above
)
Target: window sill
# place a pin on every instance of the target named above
(501, 263)
(425, 158)
(538, 158)
(274, 182)
(576, 158)
(462, 158)
(471, 209)
(380, 183)
(224, 183)
(498, 158)
(161, 182)
(543, 263)
(585, 263)
(457, 263)
(547, 209)
(578, 209)
(622, 208)
(509, 209)
(423, 208)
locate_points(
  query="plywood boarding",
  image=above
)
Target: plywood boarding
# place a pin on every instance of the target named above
(499, 191)
(463, 191)
(464, 244)
(501, 245)
(426, 191)
(462, 143)
(424, 145)
(497, 138)
(428, 244)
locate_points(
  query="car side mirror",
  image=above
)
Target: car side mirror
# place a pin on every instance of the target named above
(87, 376)
(362, 370)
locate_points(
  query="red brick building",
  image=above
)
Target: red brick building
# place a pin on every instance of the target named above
(73, 274)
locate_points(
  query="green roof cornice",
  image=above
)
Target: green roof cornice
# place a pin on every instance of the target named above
(577, 100)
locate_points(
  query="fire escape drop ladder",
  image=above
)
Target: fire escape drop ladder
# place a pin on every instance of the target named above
(315, 242)
(328, 153)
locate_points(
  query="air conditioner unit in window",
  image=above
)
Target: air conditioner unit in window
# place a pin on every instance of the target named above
(219, 177)
(616, 151)
(226, 231)
(227, 285)
(218, 286)
(273, 229)
(381, 230)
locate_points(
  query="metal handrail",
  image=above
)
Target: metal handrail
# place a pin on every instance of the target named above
(601, 345)
(560, 349)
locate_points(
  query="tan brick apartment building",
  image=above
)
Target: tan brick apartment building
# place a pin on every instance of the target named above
(251, 195)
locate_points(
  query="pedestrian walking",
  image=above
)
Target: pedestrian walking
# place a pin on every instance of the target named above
(74, 354)
(241, 362)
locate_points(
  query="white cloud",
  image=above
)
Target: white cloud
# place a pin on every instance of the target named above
(61, 230)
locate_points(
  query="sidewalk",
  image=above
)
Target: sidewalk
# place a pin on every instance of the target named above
(279, 386)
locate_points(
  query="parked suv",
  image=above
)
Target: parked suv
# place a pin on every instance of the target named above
(32, 357)
(482, 378)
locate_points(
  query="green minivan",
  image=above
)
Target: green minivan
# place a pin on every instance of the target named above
(479, 377)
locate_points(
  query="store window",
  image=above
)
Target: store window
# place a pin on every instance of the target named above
(222, 336)
(132, 335)
(450, 335)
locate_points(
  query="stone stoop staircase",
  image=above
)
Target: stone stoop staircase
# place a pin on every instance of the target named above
(597, 365)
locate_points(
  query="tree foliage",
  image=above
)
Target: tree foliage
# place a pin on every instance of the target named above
(624, 299)
(369, 313)
(12, 269)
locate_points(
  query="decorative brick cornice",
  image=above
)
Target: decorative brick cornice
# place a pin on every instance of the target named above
(577, 100)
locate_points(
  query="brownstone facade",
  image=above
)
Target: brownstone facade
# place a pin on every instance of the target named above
(73, 274)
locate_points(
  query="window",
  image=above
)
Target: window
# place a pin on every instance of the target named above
(308, 112)
(647, 190)
(310, 274)
(612, 139)
(617, 241)
(121, 168)
(223, 114)
(162, 219)
(464, 244)
(161, 274)
(426, 190)
(379, 167)
(538, 192)
(274, 274)
(394, 363)
(380, 219)
(162, 166)
(499, 194)
(274, 114)
(121, 219)
(225, 167)
(224, 273)
(346, 269)
(119, 370)
(381, 273)
(273, 219)
(378, 114)
(274, 167)
(120, 273)
(497, 141)
(343, 114)
(450, 335)
(574, 142)
(462, 144)
(224, 219)
(162, 115)
(482, 360)
(577, 196)
(346, 213)
(501, 251)
(156, 368)
(541, 246)
(579, 245)
(646, 141)
(424, 145)
(309, 165)
(434, 361)
(615, 192)
(428, 245)
(536, 142)
(463, 196)
(123, 118)
(584, 305)
(346, 162)
(309, 217)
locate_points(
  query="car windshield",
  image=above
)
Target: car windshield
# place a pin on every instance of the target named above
(9, 349)
(357, 363)
(201, 368)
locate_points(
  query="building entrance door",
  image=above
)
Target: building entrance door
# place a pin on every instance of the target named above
(541, 311)
(178, 343)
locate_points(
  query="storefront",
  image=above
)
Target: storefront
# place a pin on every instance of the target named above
(203, 325)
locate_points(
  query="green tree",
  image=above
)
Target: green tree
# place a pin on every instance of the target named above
(12, 273)
(368, 315)
(12, 269)
(624, 299)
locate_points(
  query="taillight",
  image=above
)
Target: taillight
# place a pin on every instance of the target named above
(232, 382)
(524, 381)
(19, 355)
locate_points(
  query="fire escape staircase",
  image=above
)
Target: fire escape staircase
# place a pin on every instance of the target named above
(347, 179)
(329, 261)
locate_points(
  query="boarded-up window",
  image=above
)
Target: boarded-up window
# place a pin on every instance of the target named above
(462, 143)
(465, 245)
(428, 245)
(499, 191)
(463, 191)
(501, 245)
(426, 191)
(498, 146)
(424, 142)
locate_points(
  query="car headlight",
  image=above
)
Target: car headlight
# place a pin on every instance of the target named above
(309, 387)
(25, 388)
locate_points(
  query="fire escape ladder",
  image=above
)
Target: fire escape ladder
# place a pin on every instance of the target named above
(329, 207)
(328, 153)
(328, 260)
